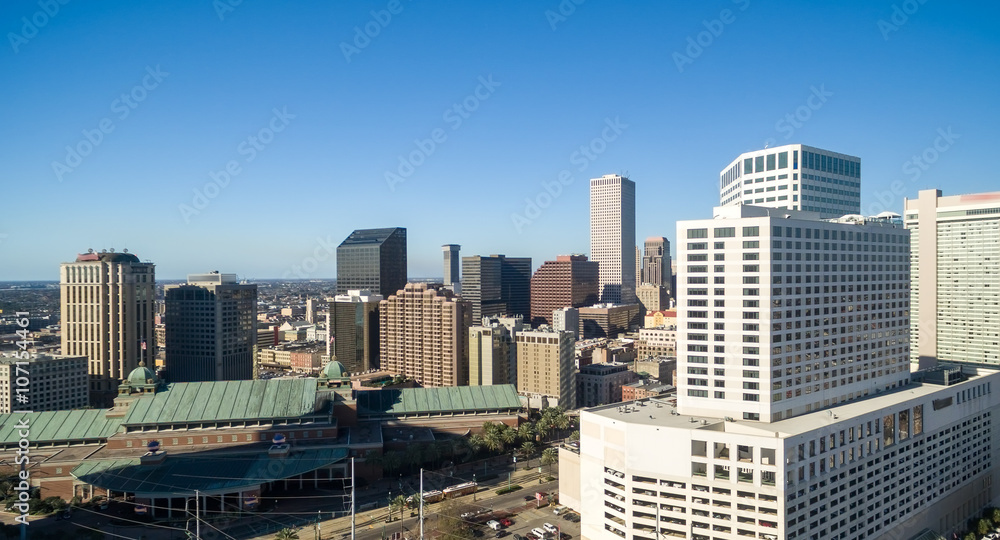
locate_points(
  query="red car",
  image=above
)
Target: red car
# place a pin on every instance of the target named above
(506, 522)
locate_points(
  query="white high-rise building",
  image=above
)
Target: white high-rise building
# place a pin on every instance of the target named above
(108, 305)
(955, 272)
(780, 313)
(796, 177)
(612, 236)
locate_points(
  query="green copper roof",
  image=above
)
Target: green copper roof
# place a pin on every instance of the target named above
(225, 400)
(185, 473)
(455, 399)
(89, 424)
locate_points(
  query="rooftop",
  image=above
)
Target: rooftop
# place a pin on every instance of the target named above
(48, 426)
(104, 256)
(362, 237)
(454, 399)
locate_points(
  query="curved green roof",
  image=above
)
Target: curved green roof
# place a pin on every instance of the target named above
(141, 375)
(334, 370)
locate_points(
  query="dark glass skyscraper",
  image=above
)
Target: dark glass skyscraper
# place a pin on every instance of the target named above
(497, 285)
(373, 260)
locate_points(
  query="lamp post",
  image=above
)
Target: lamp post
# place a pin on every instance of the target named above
(475, 488)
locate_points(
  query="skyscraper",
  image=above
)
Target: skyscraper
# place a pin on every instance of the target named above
(353, 321)
(108, 305)
(492, 352)
(955, 277)
(423, 335)
(210, 328)
(796, 177)
(497, 285)
(451, 264)
(546, 366)
(612, 236)
(372, 259)
(568, 281)
(656, 261)
(781, 313)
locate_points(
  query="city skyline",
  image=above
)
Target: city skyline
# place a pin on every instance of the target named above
(166, 101)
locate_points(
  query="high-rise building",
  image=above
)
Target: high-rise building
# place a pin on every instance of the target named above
(546, 366)
(652, 297)
(497, 285)
(310, 313)
(609, 320)
(108, 305)
(568, 281)
(452, 264)
(372, 259)
(955, 277)
(43, 383)
(796, 177)
(781, 313)
(568, 319)
(424, 335)
(656, 261)
(353, 323)
(612, 236)
(211, 328)
(492, 352)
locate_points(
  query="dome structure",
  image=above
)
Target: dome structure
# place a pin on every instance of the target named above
(334, 370)
(141, 375)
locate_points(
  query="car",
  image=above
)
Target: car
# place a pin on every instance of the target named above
(529, 498)
(507, 522)
(501, 533)
(550, 527)
(493, 524)
(518, 537)
(478, 533)
(565, 536)
(539, 533)
(468, 515)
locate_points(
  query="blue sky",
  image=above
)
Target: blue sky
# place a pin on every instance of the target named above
(311, 118)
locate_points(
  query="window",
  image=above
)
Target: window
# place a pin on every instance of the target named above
(697, 233)
(749, 244)
(725, 232)
(783, 160)
(751, 231)
(770, 162)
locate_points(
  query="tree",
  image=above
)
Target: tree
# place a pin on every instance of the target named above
(448, 521)
(508, 435)
(492, 441)
(391, 461)
(526, 432)
(994, 514)
(550, 456)
(541, 430)
(526, 450)
(397, 503)
(575, 435)
(969, 536)
(983, 526)
(433, 452)
(413, 455)
(286, 534)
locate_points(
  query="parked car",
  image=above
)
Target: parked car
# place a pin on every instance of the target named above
(507, 522)
(493, 524)
(501, 533)
(551, 528)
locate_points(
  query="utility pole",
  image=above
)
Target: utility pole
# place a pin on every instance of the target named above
(352, 499)
(421, 513)
(197, 515)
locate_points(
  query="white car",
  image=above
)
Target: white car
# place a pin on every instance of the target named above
(551, 528)
(493, 524)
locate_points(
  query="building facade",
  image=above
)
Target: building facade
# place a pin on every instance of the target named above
(353, 322)
(652, 297)
(781, 313)
(452, 264)
(567, 319)
(211, 328)
(493, 352)
(955, 277)
(424, 335)
(497, 285)
(108, 308)
(568, 281)
(372, 259)
(795, 177)
(657, 342)
(43, 383)
(609, 320)
(612, 236)
(545, 366)
(600, 384)
(656, 262)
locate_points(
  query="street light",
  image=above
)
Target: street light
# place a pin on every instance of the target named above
(475, 487)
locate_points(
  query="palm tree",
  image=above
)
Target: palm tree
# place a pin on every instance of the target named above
(492, 441)
(526, 432)
(433, 452)
(549, 456)
(575, 435)
(413, 456)
(526, 450)
(508, 435)
(541, 430)
(287, 534)
(397, 503)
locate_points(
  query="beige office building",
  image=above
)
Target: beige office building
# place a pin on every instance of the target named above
(45, 383)
(954, 278)
(546, 366)
(108, 304)
(423, 334)
(492, 352)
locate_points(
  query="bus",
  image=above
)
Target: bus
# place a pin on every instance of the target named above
(457, 490)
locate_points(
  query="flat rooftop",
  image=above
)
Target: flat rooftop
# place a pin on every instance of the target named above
(663, 412)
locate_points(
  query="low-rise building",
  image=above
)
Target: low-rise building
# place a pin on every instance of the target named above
(43, 383)
(609, 320)
(660, 341)
(661, 318)
(662, 368)
(600, 384)
(645, 389)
